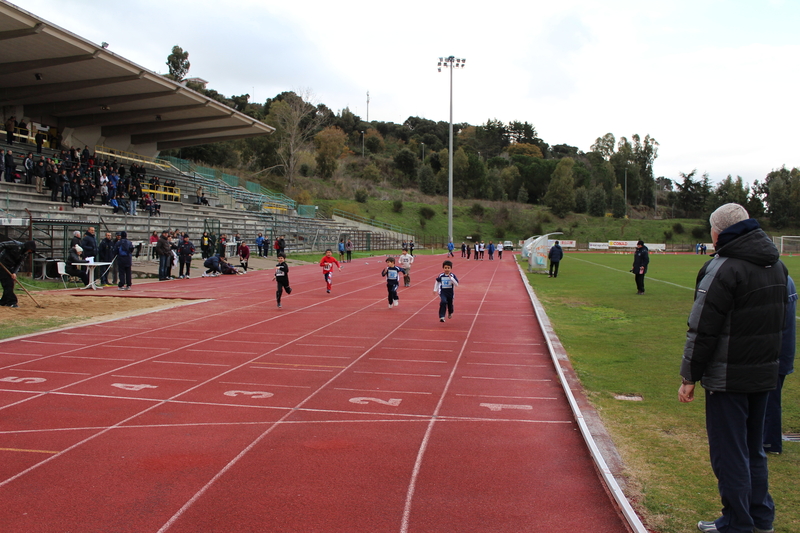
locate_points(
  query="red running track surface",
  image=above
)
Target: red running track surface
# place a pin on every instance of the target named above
(334, 413)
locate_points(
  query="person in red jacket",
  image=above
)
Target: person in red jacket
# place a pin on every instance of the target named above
(327, 263)
(244, 255)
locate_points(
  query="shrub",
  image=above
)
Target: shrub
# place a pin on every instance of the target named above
(477, 210)
(698, 232)
(678, 228)
(422, 223)
(361, 196)
(426, 212)
(499, 232)
(397, 206)
(305, 170)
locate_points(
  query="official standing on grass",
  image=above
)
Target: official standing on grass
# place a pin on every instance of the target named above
(641, 258)
(773, 424)
(732, 348)
(555, 255)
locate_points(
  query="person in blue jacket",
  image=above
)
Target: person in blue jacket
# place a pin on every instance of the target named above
(773, 430)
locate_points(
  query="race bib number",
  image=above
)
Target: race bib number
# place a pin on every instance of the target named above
(447, 283)
(392, 275)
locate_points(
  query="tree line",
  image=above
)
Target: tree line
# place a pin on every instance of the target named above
(494, 161)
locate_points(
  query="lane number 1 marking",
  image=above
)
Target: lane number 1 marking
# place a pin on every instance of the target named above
(501, 406)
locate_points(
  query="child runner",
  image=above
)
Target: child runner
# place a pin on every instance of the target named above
(405, 261)
(282, 277)
(446, 282)
(327, 263)
(392, 275)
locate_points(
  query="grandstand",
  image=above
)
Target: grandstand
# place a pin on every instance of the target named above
(78, 93)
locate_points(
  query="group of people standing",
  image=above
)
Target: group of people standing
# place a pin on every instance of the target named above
(480, 249)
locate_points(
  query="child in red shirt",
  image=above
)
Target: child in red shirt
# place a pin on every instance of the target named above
(327, 263)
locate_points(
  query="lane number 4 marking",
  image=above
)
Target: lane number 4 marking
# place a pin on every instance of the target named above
(132, 387)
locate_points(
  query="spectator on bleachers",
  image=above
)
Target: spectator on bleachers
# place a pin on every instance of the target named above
(63, 181)
(29, 165)
(40, 173)
(10, 165)
(203, 199)
(133, 197)
(23, 130)
(40, 137)
(199, 194)
(11, 124)
(104, 194)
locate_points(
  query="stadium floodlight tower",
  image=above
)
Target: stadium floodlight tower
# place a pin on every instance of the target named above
(452, 63)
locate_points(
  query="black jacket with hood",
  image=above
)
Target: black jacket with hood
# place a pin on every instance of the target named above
(735, 326)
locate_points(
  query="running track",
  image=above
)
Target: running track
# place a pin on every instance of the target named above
(333, 414)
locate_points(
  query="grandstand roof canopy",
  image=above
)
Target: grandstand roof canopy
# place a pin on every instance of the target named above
(57, 78)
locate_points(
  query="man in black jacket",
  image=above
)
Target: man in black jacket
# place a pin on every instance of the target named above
(732, 348)
(641, 258)
(555, 255)
(12, 255)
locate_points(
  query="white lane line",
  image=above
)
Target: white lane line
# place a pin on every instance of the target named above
(505, 379)
(381, 390)
(95, 358)
(23, 354)
(217, 351)
(510, 353)
(397, 374)
(508, 364)
(507, 397)
(182, 363)
(265, 385)
(55, 372)
(314, 356)
(151, 377)
(337, 346)
(405, 360)
(58, 343)
(290, 369)
(406, 340)
(418, 349)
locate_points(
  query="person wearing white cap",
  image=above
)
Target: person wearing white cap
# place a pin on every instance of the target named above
(732, 348)
(76, 259)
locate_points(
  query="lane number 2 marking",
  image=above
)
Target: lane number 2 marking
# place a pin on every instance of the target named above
(394, 402)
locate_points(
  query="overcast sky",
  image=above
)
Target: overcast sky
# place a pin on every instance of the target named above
(713, 81)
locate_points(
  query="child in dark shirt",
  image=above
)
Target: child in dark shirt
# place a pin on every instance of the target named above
(282, 278)
(392, 274)
(445, 284)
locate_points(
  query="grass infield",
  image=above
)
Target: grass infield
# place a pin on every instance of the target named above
(624, 344)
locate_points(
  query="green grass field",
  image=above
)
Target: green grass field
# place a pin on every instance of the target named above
(622, 343)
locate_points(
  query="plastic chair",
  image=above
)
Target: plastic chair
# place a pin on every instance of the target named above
(62, 272)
